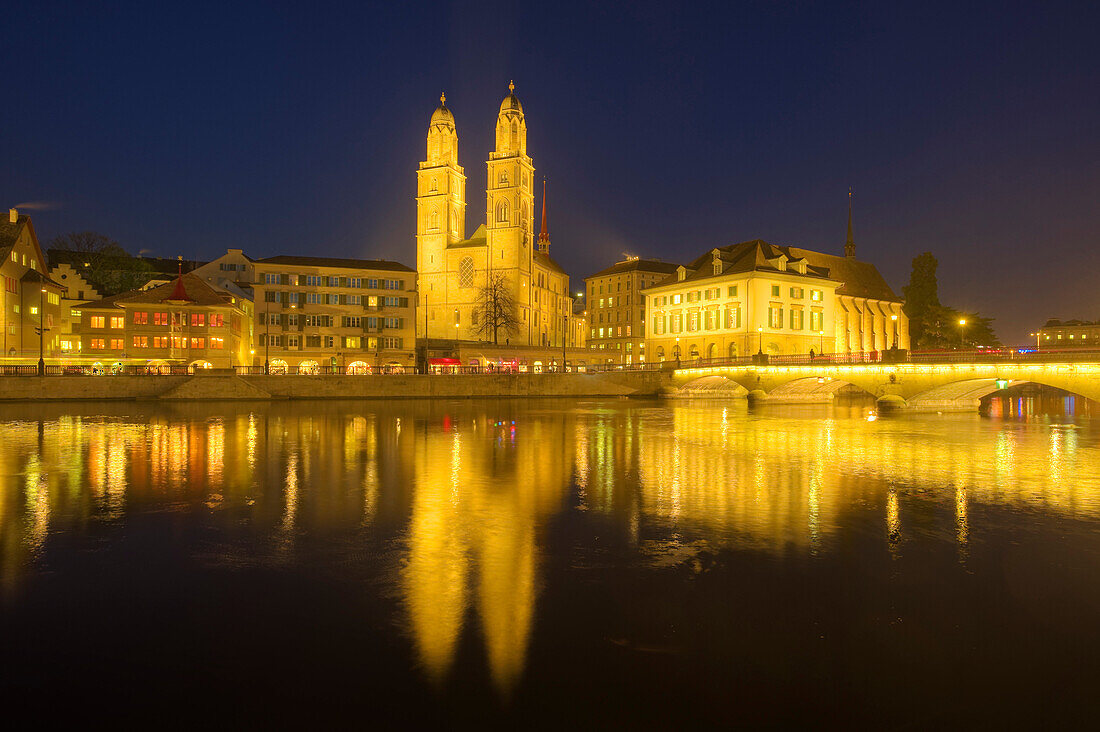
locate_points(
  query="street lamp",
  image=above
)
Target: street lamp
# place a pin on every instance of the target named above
(822, 345)
(962, 332)
(267, 334)
(895, 319)
(760, 333)
(42, 332)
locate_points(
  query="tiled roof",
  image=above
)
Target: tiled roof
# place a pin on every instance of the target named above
(858, 279)
(861, 279)
(477, 239)
(198, 290)
(336, 262)
(546, 261)
(32, 275)
(630, 265)
(9, 232)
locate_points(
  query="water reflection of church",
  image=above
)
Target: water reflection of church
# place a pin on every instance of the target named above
(464, 492)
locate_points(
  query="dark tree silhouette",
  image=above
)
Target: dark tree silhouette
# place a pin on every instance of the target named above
(933, 325)
(108, 266)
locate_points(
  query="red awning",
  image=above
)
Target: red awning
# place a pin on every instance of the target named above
(444, 362)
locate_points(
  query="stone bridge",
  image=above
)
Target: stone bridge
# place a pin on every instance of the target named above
(920, 387)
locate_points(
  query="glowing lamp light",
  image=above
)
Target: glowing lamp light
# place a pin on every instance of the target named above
(1002, 383)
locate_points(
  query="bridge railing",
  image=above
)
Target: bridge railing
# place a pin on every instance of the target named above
(887, 357)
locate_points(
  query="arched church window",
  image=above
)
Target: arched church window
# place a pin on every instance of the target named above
(515, 134)
(504, 177)
(502, 211)
(434, 220)
(435, 185)
(466, 272)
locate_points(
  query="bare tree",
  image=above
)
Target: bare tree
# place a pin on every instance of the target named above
(106, 264)
(495, 314)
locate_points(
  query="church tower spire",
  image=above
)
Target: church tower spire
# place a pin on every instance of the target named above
(544, 230)
(850, 244)
(440, 204)
(510, 196)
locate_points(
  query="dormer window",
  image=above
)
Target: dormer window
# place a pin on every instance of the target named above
(681, 273)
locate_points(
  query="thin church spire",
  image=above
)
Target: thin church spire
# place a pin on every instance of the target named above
(544, 230)
(850, 244)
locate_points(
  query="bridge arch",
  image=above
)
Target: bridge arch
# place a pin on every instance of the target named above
(939, 387)
(713, 386)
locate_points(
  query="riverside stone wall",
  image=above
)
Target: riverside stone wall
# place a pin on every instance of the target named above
(216, 387)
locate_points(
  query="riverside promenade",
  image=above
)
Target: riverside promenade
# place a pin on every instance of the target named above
(220, 386)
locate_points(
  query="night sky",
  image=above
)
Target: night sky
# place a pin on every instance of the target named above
(664, 130)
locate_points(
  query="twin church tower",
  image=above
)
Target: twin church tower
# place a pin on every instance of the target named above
(453, 269)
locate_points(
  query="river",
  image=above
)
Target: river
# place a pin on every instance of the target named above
(550, 563)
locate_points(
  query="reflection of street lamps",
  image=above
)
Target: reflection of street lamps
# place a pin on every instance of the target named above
(962, 332)
(42, 332)
(895, 319)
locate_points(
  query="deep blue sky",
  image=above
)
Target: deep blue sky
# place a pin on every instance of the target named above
(665, 129)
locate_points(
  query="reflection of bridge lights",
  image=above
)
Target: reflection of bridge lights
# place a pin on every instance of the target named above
(962, 522)
(893, 517)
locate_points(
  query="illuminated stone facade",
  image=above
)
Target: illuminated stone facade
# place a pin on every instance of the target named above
(323, 314)
(30, 297)
(453, 268)
(754, 297)
(615, 310)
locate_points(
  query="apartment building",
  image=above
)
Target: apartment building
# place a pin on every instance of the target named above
(184, 322)
(31, 299)
(615, 308)
(318, 314)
